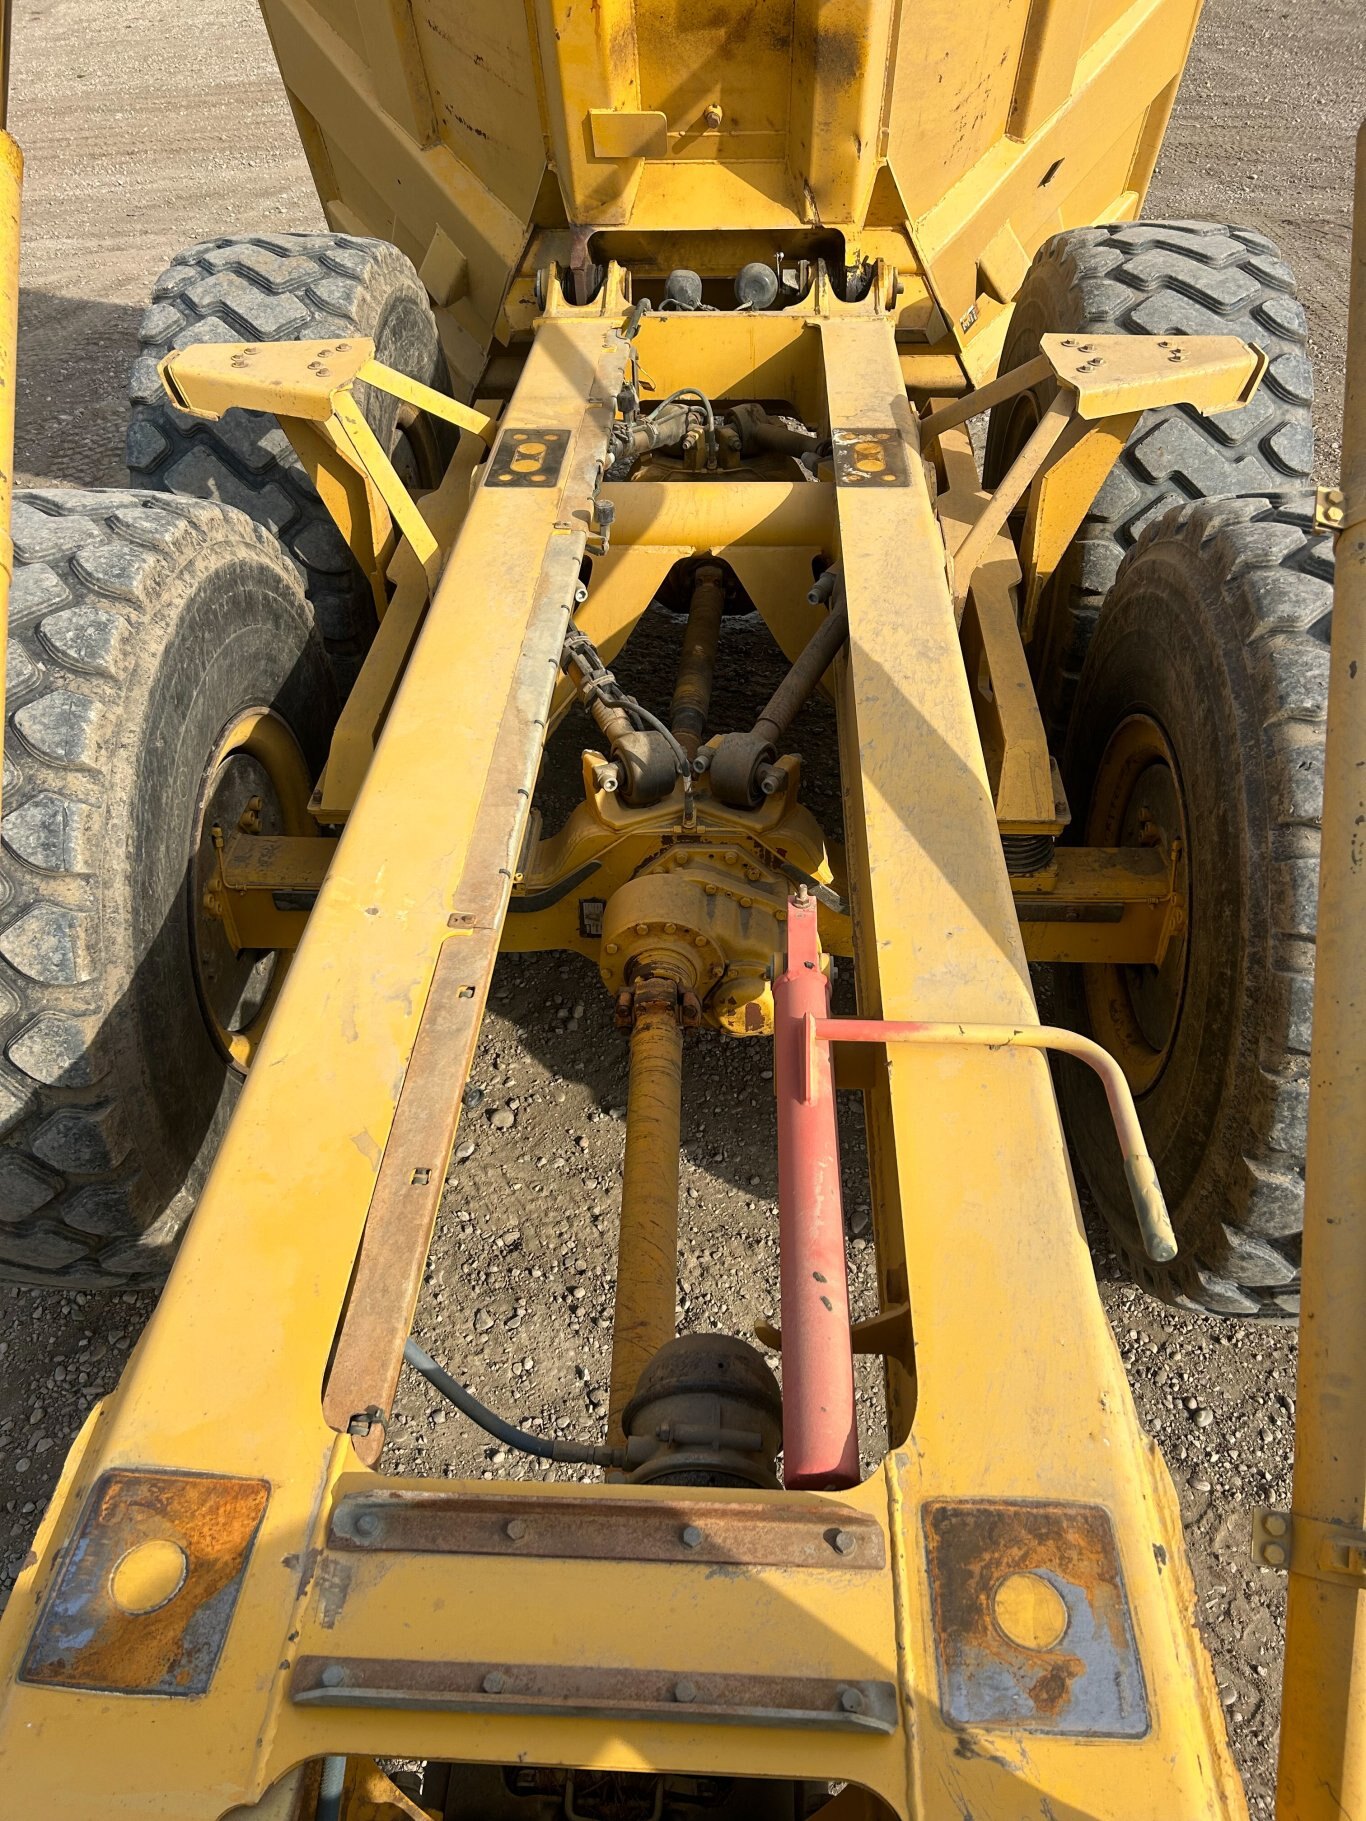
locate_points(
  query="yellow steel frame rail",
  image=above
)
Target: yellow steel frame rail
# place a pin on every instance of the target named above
(223, 1590)
(1322, 1769)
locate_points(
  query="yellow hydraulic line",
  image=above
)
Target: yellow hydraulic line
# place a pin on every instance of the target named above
(1150, 1208)
(11, 183)
(647, 1252)
(1322, 1770)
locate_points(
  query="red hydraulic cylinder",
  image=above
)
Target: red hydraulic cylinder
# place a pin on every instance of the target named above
(820, 1428)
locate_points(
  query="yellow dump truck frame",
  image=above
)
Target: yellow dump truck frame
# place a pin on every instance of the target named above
(225, 1594)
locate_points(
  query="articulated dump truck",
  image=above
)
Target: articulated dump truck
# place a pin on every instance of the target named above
(828, 333)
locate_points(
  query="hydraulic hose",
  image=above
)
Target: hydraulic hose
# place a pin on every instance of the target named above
(581, 1454)
(575, 1454)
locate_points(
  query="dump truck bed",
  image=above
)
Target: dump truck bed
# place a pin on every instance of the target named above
(950, 141)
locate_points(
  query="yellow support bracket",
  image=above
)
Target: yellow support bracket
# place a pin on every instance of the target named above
(1101, 385)
(310, 386)
(1025, 783)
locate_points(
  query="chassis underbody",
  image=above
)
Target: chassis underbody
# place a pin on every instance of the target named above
(853, 1635)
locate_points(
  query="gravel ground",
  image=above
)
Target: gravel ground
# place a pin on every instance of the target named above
(147, 127)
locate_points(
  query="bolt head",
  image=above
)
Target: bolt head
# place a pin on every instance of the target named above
(851, 1701)
(690, 1536)
(685, 1690)
(1274, 1524)
(844, 1541)
(494, 1683)
(333, 1676)
(516, 1529)
(1273, 1554)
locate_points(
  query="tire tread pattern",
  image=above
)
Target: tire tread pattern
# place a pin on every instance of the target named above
(1172, 278)
(1278, 576)
(269, 287)
(91, 569)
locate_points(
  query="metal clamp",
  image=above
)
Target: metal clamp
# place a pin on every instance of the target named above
(1328, 1552)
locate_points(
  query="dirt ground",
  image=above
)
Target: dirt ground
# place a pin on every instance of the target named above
(148, 126)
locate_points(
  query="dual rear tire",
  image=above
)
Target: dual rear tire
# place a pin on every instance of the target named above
(164, 668)
(1199, 718)
(1180, 659)
(177, 658)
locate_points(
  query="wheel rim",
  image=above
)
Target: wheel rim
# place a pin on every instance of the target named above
(1138, 801)
(256, 761)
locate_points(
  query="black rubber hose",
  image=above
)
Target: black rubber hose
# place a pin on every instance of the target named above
(582, 1454)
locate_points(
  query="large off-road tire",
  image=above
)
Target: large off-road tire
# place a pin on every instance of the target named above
(1200, 715)
(1156, 278)
(287, 287)
(146, 632)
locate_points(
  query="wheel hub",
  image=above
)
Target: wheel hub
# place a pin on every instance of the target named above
(255, 780)
(1138, 802)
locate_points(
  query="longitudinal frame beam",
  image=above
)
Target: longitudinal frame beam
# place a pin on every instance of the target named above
(413, 1619)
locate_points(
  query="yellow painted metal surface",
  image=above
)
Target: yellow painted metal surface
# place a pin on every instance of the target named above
(1094, 904)
(310, 387)
(1023, 783)
(948, 141)
(1113, 375)
(366, 707)
(335, 1645)
(937, 146)
(1101, 385)
(1322, 1768)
